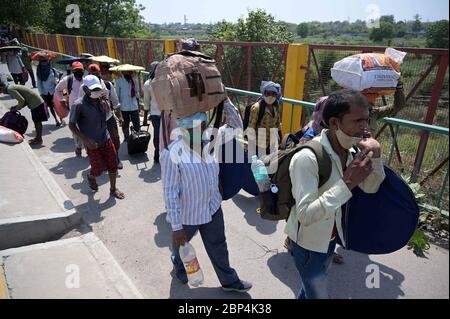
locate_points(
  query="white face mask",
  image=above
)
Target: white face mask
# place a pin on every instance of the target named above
(347, 141)
(96, 94)
(269, 99)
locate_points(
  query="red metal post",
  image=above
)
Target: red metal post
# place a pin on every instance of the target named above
(150, 57)
(432, 107)
(318, 73)
(249, 68)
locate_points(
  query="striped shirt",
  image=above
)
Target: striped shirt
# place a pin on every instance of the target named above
(191, 185)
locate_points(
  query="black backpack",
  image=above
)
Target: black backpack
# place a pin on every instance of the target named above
(108, 86)
(69, 83)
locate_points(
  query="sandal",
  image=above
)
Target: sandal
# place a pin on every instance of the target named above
(116, 193)
(92, 183)
(35, 142)
(287, 244)
(338, 259)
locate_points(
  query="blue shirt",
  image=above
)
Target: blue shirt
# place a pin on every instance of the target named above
(91, 119)
(123, 90)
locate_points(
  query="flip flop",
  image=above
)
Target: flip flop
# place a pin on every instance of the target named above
(287, 244)
(338, 259)
(35, 142)
(116, 193)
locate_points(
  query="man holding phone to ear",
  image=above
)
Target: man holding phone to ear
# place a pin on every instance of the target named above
(315, 220)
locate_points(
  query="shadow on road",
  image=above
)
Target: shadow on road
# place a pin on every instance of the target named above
(345, 281)
(249, 205)
(152, 175)
(63, 145)
(71, 166)
(92, 209)
(163, 238)
(181, 291)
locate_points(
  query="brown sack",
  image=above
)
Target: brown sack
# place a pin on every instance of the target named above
(188, 82)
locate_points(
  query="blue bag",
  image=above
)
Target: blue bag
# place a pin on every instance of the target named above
(383, 222)
(236, 174)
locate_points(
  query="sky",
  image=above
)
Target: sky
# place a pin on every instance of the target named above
(294, 11)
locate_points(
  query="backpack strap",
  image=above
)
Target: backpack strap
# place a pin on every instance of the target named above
(323, 160)
(69, 83)
(261, 111)
(108, 85)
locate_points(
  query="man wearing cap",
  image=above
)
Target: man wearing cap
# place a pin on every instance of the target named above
(88, 122)
(193, 200)
(67, 91)
(111, 98)
(26, 96)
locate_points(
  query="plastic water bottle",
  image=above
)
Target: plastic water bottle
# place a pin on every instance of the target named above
(190, 262)
(260, 174)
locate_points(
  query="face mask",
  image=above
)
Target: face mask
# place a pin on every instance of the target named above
(195, 135)
(347, 141)
(78, 74)
(96, 94)
(269, 99)
(192, 120)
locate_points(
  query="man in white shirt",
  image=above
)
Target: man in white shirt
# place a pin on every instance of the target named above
(15, 65)
(67, 91)
(127, 89)
(151, 105)
(315, 220)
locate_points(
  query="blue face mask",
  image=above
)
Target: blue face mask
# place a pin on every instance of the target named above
(192, 120)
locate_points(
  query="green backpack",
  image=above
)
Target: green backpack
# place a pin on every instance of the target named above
(277, 206)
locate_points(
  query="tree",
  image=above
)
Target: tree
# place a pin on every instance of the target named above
(388, 19)
(417, 24)
(24, 14)
(225, 31)
(437, 35)
(400, 29)
(303, 30)
(120, 18)
(258, 26)
(385, 31)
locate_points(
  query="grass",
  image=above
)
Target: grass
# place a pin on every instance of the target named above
(437, 150)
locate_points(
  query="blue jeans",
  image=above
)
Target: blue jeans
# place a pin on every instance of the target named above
(213, 237)
(313, 269)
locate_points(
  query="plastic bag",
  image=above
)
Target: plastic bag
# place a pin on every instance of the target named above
(373, 73)
(9, 136)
